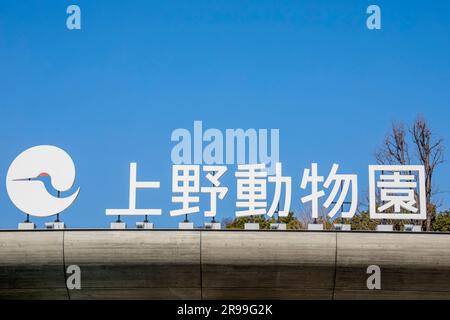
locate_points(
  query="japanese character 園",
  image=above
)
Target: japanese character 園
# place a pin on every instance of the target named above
(397, 192)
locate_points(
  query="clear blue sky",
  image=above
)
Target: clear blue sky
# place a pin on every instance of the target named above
(113, 92)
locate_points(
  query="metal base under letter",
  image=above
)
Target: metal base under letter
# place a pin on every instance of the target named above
(385, 227)
(278, 226)
(251, 226)
(213, 225)
(26, 226)
(185, 225)
(342, 227)
(118, 225)
(315, 226)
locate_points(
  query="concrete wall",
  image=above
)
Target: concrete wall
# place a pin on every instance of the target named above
(180, 264)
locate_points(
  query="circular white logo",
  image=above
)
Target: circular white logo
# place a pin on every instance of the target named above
(25, 186)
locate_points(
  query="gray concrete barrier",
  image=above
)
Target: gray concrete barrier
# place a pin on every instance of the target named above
(135, 264)
(199, 264)
(264, 265)
(32, 265)
(414, 266)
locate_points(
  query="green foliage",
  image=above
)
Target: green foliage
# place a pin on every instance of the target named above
(238, 222)
(326, 222)
(360, 221)
(442, 222)
(291, 221)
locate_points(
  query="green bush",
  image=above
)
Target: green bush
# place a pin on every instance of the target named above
(291, 221)
(442, 222)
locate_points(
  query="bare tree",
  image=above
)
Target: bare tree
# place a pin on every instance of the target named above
(395, 149)
(430, 152)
